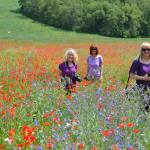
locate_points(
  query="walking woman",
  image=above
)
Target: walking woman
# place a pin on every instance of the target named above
(94, 64)
(68, 70)
(140, 71)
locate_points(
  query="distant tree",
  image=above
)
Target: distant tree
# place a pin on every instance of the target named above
(144, 5)
(119, 18)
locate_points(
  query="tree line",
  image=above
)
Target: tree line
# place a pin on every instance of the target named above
(116, 18)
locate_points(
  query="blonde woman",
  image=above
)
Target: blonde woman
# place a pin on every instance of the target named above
(68, 69)
(140, 70)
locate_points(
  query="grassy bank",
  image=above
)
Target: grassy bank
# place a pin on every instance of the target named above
(14, 26)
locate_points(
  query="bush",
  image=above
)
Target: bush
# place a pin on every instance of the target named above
(110, 18)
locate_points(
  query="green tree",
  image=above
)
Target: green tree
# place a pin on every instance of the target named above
(119, 18)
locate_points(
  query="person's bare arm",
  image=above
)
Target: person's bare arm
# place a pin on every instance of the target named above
(137, 77)
(101, 71)
(101, 68)
(60, 76)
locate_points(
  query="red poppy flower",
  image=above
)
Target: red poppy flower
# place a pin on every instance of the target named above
(81, 146)
(121, 125)
(106, 133)
(130, 124)
(99, 106)
(136, 131)
(12, 132)
(46, 123)
(49, 146)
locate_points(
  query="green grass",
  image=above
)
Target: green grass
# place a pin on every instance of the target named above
(16, 27)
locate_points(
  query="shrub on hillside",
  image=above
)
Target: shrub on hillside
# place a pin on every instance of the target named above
(111, 18)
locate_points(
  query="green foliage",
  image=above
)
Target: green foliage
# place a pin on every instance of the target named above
(119, 18)
(145, 21)
(15, 26)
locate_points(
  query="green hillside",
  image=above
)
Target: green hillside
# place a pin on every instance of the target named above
(14, 26)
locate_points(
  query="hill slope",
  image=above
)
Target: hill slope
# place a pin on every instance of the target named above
(14, 26)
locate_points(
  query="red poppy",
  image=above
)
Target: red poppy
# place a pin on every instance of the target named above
(46, 123)
(1, 147)
(46, 115)
(81, 146)
(136, 131)
(106, 133)
(99, 105)
(69, 97)
(3, 113)
(1, 104)
(130, 124)
(94, 148)
(12, 112)
(28, 115)
(49, 146)
(121, 125)
(12, 132)
(32, 138)
(115, 147)
(55, 119)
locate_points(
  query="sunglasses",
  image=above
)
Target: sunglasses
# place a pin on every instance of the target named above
(145, 49)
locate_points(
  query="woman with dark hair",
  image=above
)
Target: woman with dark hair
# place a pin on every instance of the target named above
(94, 64)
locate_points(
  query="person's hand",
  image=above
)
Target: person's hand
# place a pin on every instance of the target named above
(58, 80)
(148, 75)
(146, 78)
(61, 79)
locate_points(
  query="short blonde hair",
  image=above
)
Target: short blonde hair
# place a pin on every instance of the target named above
(143, 45)
(73, 52)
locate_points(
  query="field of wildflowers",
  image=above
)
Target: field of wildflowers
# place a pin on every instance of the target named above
(36, 114)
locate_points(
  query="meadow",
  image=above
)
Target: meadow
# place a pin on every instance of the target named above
(36, 114)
